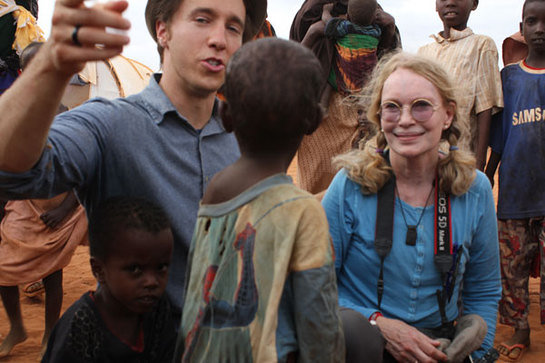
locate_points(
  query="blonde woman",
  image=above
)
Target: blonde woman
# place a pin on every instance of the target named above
(411, 220)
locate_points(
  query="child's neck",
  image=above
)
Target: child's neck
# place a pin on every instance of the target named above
(123, 323)
(242, 175)
(535, 60)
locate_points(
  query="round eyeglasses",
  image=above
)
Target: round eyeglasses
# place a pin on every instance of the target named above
(421, 110)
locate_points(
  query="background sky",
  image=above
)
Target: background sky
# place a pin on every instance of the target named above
(416, 20)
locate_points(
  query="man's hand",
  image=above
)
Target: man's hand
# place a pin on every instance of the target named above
(406, 344)
(93, 41)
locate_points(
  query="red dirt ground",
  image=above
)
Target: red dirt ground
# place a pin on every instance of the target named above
(78, 279)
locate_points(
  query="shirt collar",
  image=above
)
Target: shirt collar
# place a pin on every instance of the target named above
(155, 100)
(158, 105)
(216, 210)
(454, 35)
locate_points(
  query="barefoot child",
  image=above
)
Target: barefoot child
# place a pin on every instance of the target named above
(517, 140)
(472, 60)
(128, 317)
(261, 282)
(38, 238)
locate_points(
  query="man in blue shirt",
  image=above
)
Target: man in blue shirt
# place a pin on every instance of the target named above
(163, 144)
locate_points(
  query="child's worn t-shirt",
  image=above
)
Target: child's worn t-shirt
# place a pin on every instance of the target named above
(261, 281)
(355, 54)
(472, 62)
(82, 336)
(518, 134)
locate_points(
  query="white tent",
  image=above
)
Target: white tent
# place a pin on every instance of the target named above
(113, 78)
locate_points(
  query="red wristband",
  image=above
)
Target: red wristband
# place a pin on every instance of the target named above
(375, 316)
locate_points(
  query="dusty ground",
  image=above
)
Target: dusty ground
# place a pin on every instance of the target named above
(78, 279)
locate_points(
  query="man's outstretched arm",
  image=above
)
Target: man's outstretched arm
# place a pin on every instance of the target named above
(28, 108)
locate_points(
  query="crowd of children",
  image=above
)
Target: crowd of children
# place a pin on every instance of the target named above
(260, 282)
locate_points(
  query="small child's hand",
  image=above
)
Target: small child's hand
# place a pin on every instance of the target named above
(326, 12)
(53, 217)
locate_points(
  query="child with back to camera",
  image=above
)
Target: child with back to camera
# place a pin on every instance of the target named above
(128, 318)
(472, 60)
(260, 281)
(517, 140)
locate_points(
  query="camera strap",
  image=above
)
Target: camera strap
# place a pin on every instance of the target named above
(443, 256)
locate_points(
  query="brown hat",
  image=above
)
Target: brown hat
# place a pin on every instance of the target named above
(256, 12)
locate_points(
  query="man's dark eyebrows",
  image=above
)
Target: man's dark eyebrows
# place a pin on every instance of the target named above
(237, 20)
(206, 11)
(211, 12)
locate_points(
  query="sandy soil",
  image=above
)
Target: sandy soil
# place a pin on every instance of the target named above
(78, 279)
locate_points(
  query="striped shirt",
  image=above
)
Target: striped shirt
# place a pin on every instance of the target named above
(472, 62)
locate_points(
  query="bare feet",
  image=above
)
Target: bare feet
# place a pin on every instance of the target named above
(12, 339)
(513, 349)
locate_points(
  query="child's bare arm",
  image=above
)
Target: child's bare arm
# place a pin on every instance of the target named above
(492, 165)
(314, 32)
(317, 30)
(387, 25)
(52, 218)
(483, 121)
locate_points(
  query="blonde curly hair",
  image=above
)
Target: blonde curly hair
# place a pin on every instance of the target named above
(367, 166)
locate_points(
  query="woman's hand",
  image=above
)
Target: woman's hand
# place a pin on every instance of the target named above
(406, 344)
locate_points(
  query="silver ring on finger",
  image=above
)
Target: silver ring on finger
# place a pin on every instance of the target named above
(75, 39)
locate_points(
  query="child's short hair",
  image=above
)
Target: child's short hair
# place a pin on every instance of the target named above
(272, 88)
(121, 213)
(527, 2)
(28, 53)
(362, 12)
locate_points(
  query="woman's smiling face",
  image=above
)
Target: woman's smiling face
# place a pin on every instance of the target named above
(406, 136)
